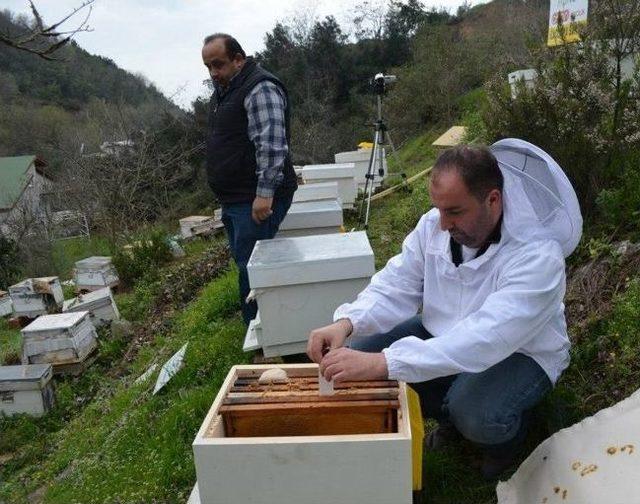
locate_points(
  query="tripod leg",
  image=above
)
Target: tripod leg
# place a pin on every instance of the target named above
(397, 160)
(376, 154)
(368, 180)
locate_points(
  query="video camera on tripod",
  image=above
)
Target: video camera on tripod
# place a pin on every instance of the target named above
(381, 138)
(381, 81)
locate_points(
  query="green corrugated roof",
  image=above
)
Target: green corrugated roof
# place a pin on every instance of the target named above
(13, 172)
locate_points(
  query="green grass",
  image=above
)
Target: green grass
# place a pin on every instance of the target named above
(66, 252)
(127, 445)
(110, 440)
(10, 344)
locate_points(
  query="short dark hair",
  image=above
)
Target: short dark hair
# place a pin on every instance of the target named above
(477, 167)
(231, 45)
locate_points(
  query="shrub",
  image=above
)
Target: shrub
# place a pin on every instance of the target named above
(579, 109)
(144, 256)
(9, 264)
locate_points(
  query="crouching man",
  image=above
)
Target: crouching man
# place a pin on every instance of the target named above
(470, 313)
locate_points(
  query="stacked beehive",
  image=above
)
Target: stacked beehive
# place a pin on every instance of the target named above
(36, 296)
(95, 273)
(66, 341)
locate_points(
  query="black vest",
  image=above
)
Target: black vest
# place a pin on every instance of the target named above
(231, 155)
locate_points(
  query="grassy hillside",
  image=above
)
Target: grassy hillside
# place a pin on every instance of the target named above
(109, 440)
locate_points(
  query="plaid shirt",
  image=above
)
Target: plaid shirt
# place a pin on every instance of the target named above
(265, 106)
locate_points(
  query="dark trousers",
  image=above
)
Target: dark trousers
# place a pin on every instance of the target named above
(488, 408)
(243, 233)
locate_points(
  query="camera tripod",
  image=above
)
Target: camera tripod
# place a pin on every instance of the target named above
(380, 139)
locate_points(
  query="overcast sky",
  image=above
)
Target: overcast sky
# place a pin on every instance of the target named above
(162, 39)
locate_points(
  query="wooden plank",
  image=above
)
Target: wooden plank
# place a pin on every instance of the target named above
(306, 370)
(241, 385)
(310, 419)
(309, 407)
(450, 138)
(309, 396)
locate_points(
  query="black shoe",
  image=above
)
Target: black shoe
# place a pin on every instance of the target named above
(442, 436)
(494, 465)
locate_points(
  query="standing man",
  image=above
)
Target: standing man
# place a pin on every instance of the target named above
(248, 159)
(471, 312)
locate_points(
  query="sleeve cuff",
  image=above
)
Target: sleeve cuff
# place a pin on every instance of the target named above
(264, 192)
(393, 367)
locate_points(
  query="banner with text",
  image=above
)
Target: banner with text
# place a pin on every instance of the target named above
(566, 19)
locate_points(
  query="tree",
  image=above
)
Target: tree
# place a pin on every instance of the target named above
(132, 179)
(44, 40)
(9, 264)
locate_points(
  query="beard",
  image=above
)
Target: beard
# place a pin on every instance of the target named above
(481, 230)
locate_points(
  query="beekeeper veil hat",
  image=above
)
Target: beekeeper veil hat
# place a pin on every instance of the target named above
(538, 200)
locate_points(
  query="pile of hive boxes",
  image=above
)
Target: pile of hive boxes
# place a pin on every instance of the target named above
(201, 225)
(54, 342)
(299, 278)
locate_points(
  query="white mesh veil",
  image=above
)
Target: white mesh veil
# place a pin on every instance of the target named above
(539, 201)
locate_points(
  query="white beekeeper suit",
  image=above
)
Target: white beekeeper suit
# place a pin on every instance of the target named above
(510, 299)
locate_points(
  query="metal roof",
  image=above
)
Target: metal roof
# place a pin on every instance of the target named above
(13, 177)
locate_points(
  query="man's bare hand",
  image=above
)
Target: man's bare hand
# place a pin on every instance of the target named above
(331, 336)
(261, 209)
(344, 364)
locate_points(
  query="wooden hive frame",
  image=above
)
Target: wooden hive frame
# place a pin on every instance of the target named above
(287, 441)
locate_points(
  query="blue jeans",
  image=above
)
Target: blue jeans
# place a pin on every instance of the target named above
(490, 408)
(243, 233)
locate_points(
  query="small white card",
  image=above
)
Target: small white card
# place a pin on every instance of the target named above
(325, 387)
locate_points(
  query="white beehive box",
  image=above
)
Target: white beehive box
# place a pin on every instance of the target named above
(343, 174)
(299, 282)
(528, 76)
(100, 304)
(95, 273)
(360, 159)
(6, 305)
(200, 225)
(36, 296)
(26, 389)
(64, 340)
(312, 218)
(316, 192)
(279, 446)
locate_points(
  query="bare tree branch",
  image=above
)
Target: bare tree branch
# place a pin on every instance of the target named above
(43, 40)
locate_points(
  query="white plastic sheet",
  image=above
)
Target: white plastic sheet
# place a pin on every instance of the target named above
(170, 368)
(596, 461)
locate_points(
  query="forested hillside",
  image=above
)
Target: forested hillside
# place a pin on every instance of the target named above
(109, 439)
(53, 106)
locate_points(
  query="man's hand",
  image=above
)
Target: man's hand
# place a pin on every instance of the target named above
(344, 364)
(261, 209)
(331, 336)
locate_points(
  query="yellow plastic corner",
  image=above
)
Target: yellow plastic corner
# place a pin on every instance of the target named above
(417, 437)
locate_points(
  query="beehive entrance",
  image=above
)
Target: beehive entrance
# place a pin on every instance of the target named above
(251, 409)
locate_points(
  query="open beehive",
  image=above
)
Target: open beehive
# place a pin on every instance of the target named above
(294, 445)
(36, 296)
(100, 304)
